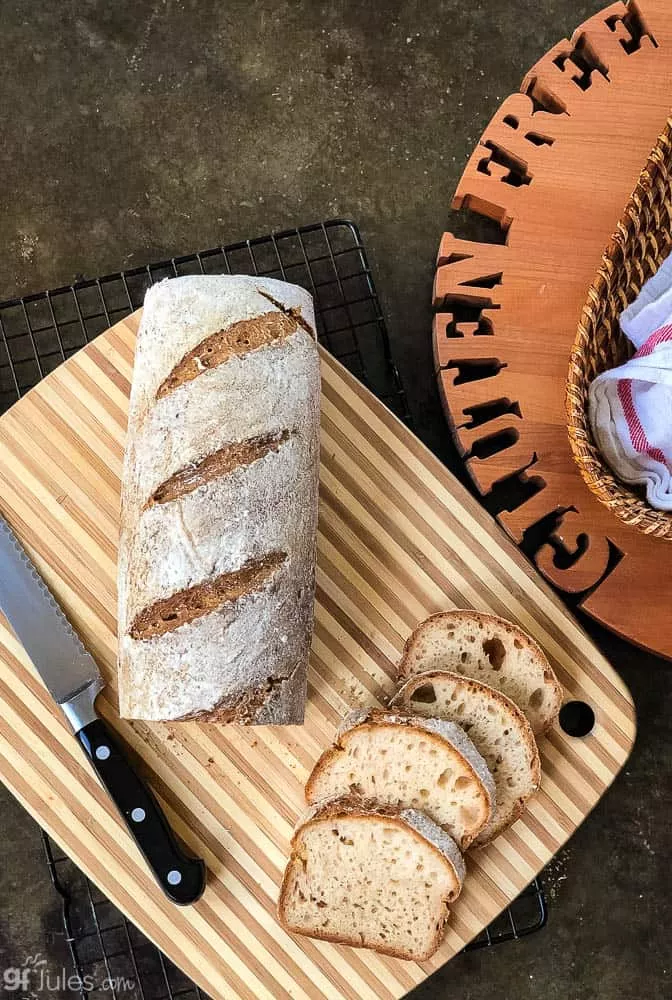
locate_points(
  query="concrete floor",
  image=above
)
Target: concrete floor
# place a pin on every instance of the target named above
(135, 131)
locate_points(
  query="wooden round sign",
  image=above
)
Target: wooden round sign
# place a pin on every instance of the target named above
(554, 168)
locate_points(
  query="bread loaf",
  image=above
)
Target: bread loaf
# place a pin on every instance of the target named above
(372, 877)
(219, 503)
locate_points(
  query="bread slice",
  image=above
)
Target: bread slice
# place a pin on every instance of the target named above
(371, 877)
(490, 650)
(497, 728)
(398, 760)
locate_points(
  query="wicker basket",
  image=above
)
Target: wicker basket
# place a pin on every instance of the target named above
(640, 244)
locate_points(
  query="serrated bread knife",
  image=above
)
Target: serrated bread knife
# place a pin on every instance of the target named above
(74, 681)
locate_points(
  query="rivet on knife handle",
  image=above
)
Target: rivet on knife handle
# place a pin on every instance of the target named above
(182, 878)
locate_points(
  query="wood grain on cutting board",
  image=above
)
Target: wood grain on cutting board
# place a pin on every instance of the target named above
(399, 538)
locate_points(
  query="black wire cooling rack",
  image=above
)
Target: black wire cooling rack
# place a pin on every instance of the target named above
(111, 957)
(40, 331)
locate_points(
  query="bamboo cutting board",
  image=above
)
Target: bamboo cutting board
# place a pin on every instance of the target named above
(399, 538)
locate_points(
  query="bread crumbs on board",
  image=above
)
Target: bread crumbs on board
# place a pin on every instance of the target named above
(555, 873)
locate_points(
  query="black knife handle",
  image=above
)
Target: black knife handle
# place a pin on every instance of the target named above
(182, 878)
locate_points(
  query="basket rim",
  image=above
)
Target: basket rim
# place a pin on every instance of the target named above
(617, 496)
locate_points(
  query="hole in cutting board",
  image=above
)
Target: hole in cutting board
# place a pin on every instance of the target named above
(577, 718)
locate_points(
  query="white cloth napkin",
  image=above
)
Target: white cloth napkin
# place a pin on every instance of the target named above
(630, 407)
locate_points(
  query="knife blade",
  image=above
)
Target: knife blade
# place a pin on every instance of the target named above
(73, 679)
(61, 660)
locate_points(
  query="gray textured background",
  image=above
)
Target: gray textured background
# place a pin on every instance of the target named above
(135, 131)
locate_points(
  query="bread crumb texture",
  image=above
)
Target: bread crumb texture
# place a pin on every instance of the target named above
(497, 728)
(410, 763)
(491, 650)
(371, 881)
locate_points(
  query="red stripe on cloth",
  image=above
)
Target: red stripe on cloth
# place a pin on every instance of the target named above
(640, 442)
(657, 337)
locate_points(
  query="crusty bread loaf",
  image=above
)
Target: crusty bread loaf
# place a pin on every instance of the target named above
(491, 650)
(409, 762)
(371, 877)
(219, 503)
(497, 728)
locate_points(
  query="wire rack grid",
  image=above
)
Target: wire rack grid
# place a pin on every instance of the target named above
(40, 331)
(111, 957)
